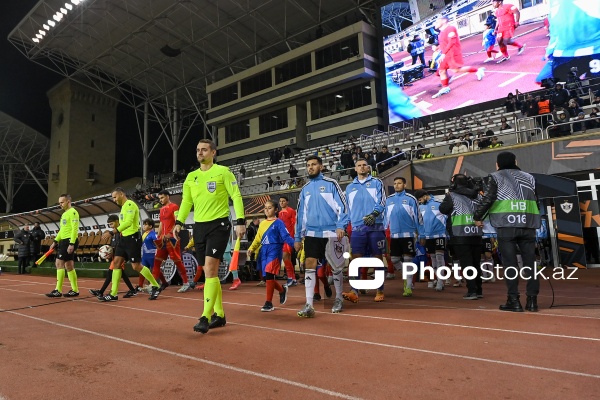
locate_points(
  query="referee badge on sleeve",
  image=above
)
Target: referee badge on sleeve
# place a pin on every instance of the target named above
(211, 186)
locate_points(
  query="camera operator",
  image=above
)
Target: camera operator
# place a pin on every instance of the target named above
(511, 201)
(465, 237)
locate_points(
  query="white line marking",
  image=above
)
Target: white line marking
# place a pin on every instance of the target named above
(455, 77)
(200, 360)
(404, 304)
(511, 80)
(488, 360)
(414, 96)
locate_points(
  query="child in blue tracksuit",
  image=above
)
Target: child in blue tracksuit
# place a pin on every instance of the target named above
(271, 236)
(433, 230)
(489, 41)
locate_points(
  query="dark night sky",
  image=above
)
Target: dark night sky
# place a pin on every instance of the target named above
(23, 87)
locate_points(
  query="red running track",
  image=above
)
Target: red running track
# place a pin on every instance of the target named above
(431, 346)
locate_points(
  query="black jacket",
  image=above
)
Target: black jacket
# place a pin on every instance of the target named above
(446, 208)
(36, 237)
(22, 239)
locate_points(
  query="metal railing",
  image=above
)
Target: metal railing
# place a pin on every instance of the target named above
(263, 187)
(509, 138)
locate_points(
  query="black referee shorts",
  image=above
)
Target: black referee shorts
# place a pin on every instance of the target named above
(130, 248)
(211, 238)
(62, 247)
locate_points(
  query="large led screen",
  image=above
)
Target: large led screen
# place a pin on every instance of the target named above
(561, 39)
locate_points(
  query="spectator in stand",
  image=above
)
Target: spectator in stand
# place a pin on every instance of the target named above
(575, 96)
(359, 152)
(375, 154)
(426, 154)
(292, 184)
(346, 157)
(593, 122)
(278, 181)
(278, 155)
(560, 96)
(504, 124)
(241, 175)
(573, 108)
(371, 161)
(475, 146)
(396, 157)
(512, 103)
(382, 157)
(496, 143)
(269, 184)
(284, 185)
(579, 124)
(544, 108)
(292, 171)
(287, 152)
(460, 148)
(272, 156)
(529, 107)
(596, 101)
(338, 168)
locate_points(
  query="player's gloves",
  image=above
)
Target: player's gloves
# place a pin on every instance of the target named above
(369, 219)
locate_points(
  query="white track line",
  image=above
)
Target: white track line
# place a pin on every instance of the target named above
(529, 315)
(511, 80)
(200, 360)
(392, 346)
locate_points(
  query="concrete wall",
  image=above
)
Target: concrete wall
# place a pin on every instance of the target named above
(83, 133)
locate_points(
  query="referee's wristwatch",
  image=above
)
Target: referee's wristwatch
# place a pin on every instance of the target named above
(240, 221)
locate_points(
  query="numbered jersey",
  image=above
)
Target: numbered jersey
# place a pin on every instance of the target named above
(516, 202)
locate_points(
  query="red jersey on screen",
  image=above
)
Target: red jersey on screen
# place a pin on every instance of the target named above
(288, 216)
(506, 17)
(450, 46)
(167, 218)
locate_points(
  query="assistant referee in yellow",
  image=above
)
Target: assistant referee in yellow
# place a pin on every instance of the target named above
(208, 190)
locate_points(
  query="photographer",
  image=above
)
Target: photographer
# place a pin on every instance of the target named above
(465, 238)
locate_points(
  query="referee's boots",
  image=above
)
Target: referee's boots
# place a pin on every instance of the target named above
(512, 304)
(531, 304)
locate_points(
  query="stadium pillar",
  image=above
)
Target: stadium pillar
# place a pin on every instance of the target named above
(145, 145)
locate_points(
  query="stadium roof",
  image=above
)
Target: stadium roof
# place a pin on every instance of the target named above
(24, 158)
(166, 52)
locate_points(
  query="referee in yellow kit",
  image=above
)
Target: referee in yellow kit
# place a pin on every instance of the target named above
(208, 190)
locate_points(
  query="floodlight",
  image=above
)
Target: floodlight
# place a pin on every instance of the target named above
(46, 27)
(51, 23)
(36, 40)
(62, 10)
(68, 6)
(37, 35)
(42, 32)
(75, 2)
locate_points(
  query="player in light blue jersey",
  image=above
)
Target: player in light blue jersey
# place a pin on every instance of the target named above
(322, 216)
(366, 202)
(402, 217)
(433, 230)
